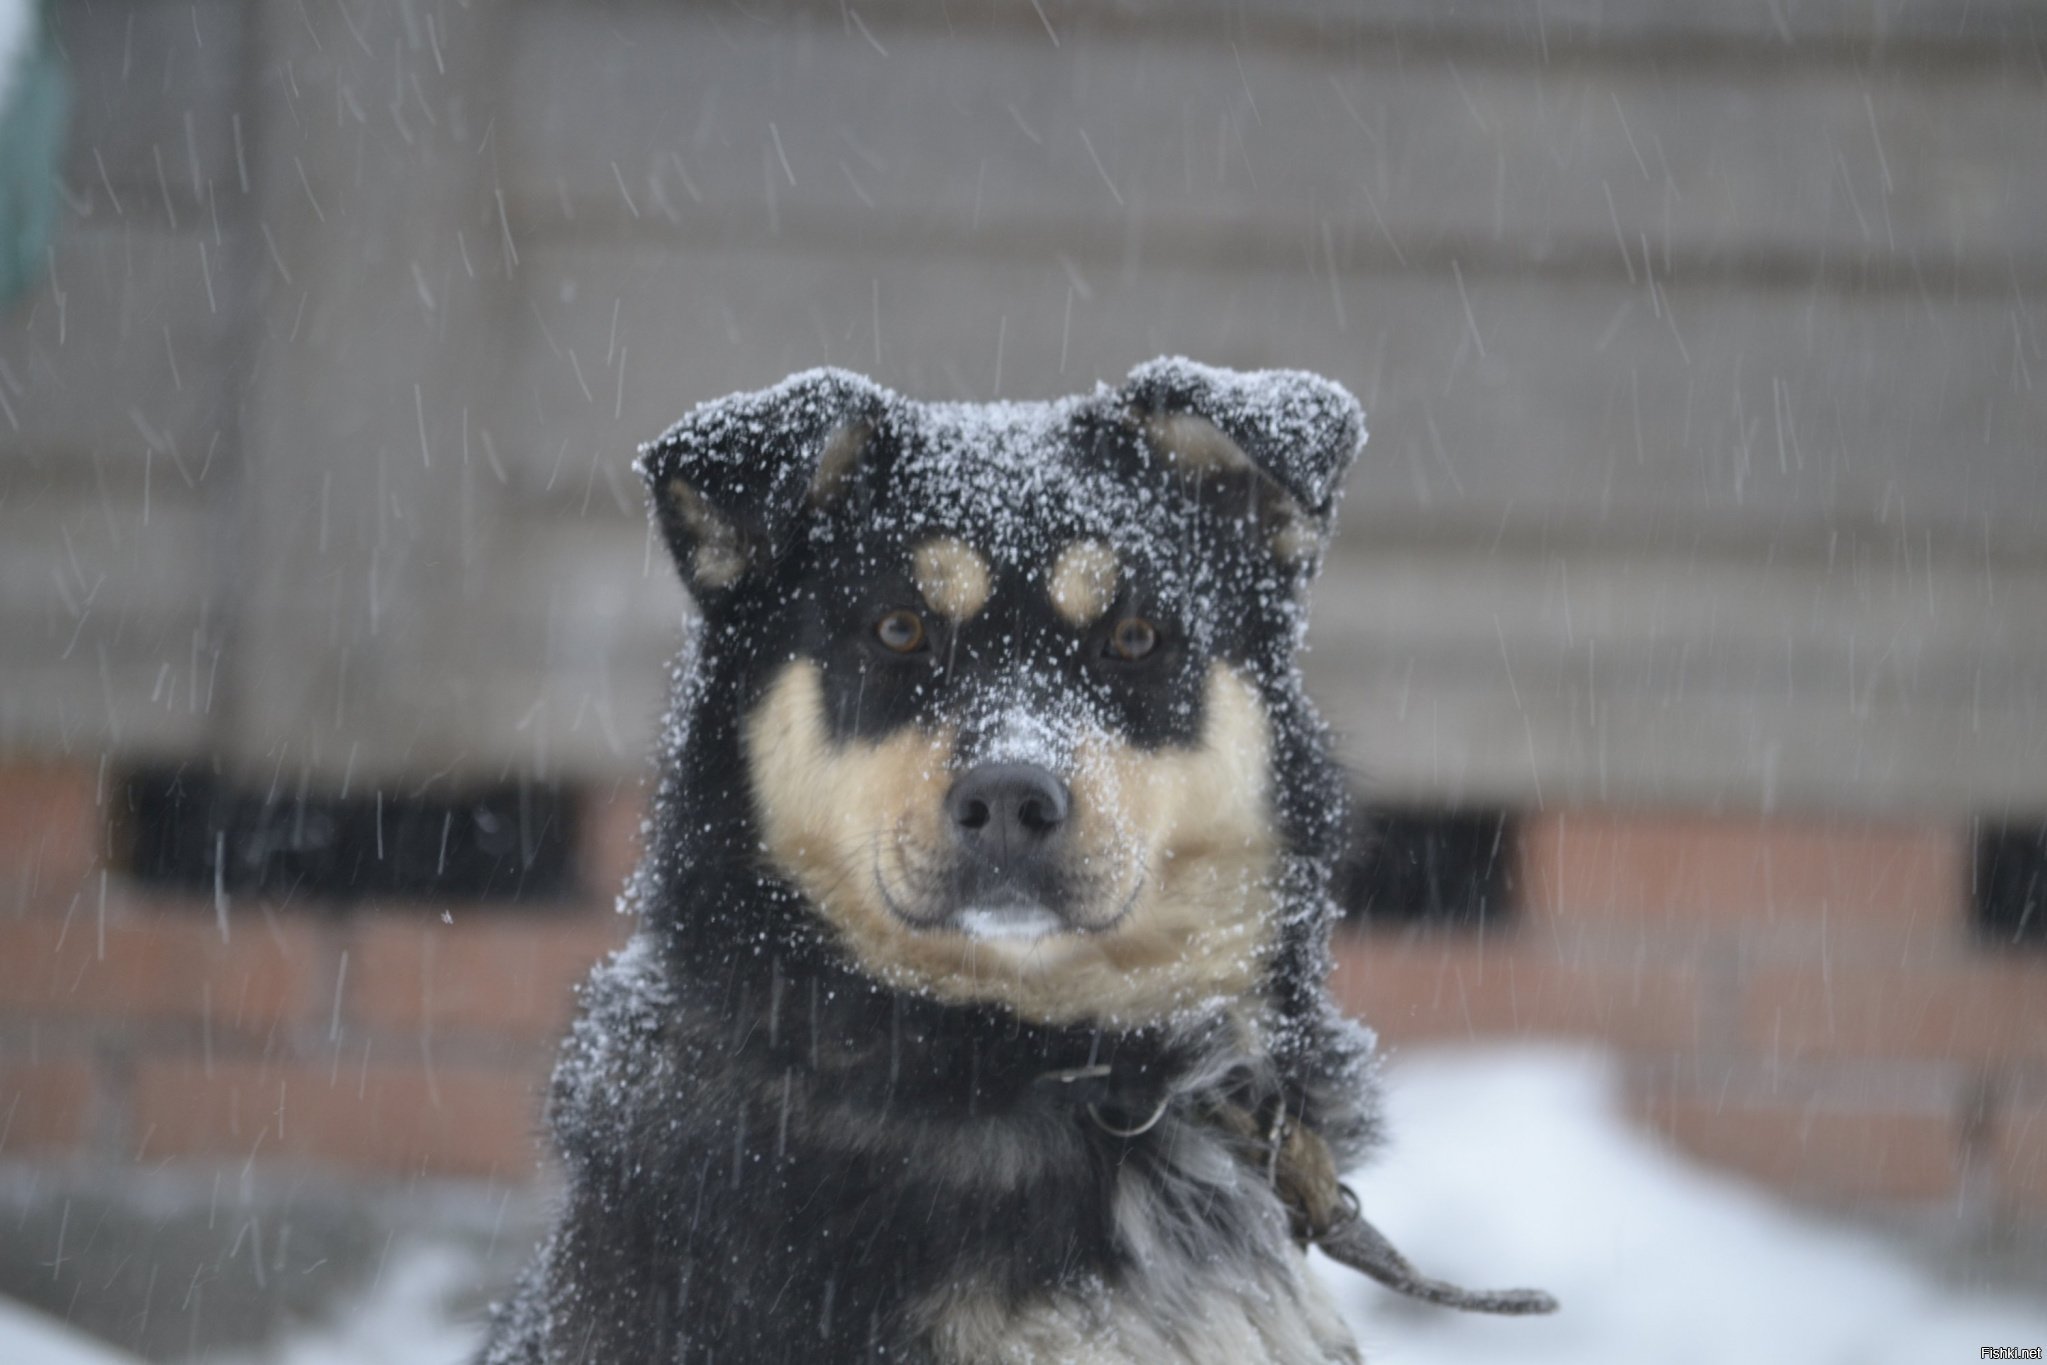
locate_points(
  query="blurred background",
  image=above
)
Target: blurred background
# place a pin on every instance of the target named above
(1686, 631)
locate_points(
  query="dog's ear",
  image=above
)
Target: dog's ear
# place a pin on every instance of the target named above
(733, 481)
(1281, 439)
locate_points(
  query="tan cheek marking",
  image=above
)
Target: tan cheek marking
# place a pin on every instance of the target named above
(720, 559)
(824, 807)
(1196, 826)
(1084, 582)
(952, 576)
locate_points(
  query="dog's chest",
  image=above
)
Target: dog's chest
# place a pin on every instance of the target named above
(1210, 1277)
(1276, 1318)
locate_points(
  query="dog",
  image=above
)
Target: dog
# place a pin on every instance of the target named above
(977, 1009)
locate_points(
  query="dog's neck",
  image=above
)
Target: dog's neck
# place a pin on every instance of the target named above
(805, 1014)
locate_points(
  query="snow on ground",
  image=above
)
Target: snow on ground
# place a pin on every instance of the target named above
(1515, 1167)
(29, 1338)
(403, 1319)
(1508, 1167)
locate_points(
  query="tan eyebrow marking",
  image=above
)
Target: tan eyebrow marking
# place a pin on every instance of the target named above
(1084, 582)
(953, 577)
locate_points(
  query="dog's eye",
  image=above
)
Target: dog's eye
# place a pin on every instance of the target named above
(901, 631)
(1133, 638)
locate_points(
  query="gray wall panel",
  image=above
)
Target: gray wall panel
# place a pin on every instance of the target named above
(658, 115)
(107, 642)
(118, 353)
(1599, 405)
(1704, 348)
(155, 90)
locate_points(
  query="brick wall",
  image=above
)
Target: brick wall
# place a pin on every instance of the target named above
(135, 1031)
(1797, 1001)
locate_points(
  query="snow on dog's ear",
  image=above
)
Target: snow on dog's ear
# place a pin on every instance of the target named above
(1286, 436)
(731, 482)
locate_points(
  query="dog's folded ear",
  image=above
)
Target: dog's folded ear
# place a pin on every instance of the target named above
(1285, 437)
(732, 481)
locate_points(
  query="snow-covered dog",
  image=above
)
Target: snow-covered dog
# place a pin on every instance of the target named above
(977, 1012)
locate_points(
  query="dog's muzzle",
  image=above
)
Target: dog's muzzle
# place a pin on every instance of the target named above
(1009, 821)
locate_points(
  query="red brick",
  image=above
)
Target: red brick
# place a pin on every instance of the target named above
(49, 832)
(1429, 988)
(611, 839)
(1595, 865)
(2019, 1152)
(161, 964)
(445, 1119)
(1814, 1151)
(500, 974)
(1988, 1010)
(44, 1106)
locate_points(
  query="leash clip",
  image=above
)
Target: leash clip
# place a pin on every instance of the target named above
(1326, 1214)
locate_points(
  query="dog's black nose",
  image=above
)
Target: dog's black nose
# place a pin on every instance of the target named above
(1007, 812)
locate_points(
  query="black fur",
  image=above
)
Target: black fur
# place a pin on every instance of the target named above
(770, 1155)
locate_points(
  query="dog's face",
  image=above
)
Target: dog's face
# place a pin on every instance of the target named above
(1007, 728)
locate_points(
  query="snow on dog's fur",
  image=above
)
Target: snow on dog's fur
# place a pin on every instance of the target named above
(989, 864)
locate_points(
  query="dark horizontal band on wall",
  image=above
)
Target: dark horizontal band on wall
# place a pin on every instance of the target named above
(188, 829)
(1413, 867)
(2009, 885)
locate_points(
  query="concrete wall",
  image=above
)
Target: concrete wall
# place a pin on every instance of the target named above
(1703, 349)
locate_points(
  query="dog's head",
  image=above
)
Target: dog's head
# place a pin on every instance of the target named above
(1011, 686)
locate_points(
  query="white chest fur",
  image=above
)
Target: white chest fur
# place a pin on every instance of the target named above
(1249, 1318)
(1212, 1279)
